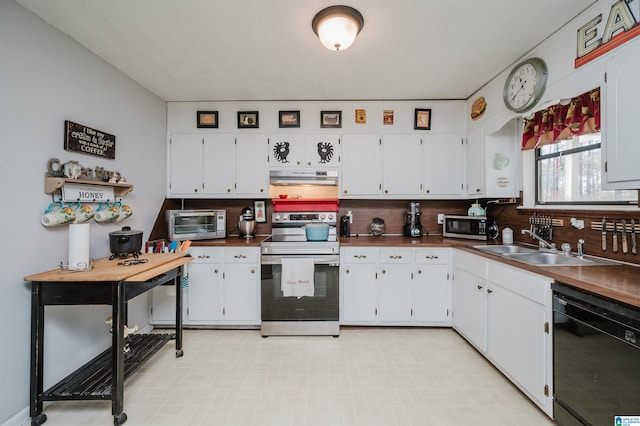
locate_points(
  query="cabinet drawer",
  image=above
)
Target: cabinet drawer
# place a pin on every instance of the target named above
(433, 256)
(526, 284)
(396, 255)
(242, 255)
(359, 255)
(205, 254)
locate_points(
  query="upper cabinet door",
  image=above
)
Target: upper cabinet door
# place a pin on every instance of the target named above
(444, 164)
(252, 167)
(619, 120)
(286, 150)
(322, 151)
(401, 159)
(185, 164)
(219, 163)
(475, 162)
(361, 161)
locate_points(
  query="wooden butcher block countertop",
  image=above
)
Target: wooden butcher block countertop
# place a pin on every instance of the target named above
(108, 270)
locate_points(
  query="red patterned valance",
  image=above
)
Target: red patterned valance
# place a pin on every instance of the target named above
(558, 122)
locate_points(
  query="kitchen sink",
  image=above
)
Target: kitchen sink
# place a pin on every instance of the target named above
(538, 257)
(506, 248)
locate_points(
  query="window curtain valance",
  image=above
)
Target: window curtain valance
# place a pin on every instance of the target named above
(581, 115)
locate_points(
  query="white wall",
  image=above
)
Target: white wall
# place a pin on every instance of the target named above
(45, 79)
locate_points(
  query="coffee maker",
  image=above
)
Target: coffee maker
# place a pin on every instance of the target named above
(413, 227)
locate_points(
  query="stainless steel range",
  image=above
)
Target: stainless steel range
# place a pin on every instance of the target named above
(300, 278)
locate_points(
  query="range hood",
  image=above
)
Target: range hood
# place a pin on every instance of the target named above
(304, 177)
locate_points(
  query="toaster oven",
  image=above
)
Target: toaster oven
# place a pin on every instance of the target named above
(197, 224)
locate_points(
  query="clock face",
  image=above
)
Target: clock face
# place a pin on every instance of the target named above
(525, 85)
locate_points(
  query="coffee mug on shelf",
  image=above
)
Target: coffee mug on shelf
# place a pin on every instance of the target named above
(107, 212)
(84, 212)
(58, 214)
(124, 212)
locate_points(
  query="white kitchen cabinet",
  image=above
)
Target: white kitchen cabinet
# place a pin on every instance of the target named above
(218, 174)
(313, 151)
(395, 285)
(218, 165)
(469, 307)
(432, 281)
(286, 150)
(185, 164)
(358, 285)
(401, 165)
(252, 166)
(162, 305)
(361, 163)
(242, 285)
(322, 151)
(386, 286)
(475, 163)
(620, 111)
(443, 165)
(506, 313)
(224, 289)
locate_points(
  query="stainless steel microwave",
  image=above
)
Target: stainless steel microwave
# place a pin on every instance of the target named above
(197, 224)
(468, 227)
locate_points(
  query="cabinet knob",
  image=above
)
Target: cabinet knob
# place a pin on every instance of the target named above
(489, 291)
(215, 270)
(384, 271)
(195, 190)
(478, 189)
(479, 287)
(253, 271)
(228, 189)
(386, 191)
(419, 271)
(344, 191)
(261, 189)
(428, 191)
(346, 272)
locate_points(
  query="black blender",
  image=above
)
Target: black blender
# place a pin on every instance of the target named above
(413, 227)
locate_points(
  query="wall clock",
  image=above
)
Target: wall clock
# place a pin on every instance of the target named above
(525, 85)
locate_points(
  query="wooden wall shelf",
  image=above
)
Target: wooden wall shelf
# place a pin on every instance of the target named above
(55, 184)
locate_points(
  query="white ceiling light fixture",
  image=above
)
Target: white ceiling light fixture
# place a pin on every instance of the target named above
(337, 26)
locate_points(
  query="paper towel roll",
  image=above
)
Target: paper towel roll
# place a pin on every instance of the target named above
(78, 246)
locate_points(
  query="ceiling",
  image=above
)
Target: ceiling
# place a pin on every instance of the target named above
(202, 50)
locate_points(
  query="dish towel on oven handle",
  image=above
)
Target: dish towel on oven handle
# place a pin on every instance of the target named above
(297, 277)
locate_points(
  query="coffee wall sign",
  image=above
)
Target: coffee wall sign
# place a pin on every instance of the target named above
(90, 141)
(599, 36)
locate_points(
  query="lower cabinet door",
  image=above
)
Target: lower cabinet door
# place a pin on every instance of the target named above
(206, 295)
(432, 302)
(359, 294)
(516, 339)
(469, 307)
(241, 294)
(395, 293)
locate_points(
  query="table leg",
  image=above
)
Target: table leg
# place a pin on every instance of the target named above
(178, 282)
(117, 351)
(37, 355)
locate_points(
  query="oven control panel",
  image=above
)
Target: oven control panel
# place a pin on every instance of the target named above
(304, 218)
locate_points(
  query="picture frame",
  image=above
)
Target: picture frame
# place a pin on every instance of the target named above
(207, 119)
(422, 120)
(288, 119)
(260, 211)
(331, 119)
(248, 120)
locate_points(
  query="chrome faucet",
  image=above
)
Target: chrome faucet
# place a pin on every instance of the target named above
(541, 242)
(580, 248)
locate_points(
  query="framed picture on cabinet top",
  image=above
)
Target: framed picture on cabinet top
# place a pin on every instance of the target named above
(422, 119)
(289, 119)
(208, 119)
(248, 119)
(331, 119)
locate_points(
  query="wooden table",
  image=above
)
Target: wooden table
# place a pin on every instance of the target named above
(107, 283)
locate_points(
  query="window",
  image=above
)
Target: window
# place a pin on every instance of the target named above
(569, 172)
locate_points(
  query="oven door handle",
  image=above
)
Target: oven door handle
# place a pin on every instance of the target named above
(318, 260)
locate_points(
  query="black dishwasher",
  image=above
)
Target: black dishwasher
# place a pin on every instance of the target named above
(596, 358)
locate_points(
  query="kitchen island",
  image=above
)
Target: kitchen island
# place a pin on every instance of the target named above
(107, 283)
